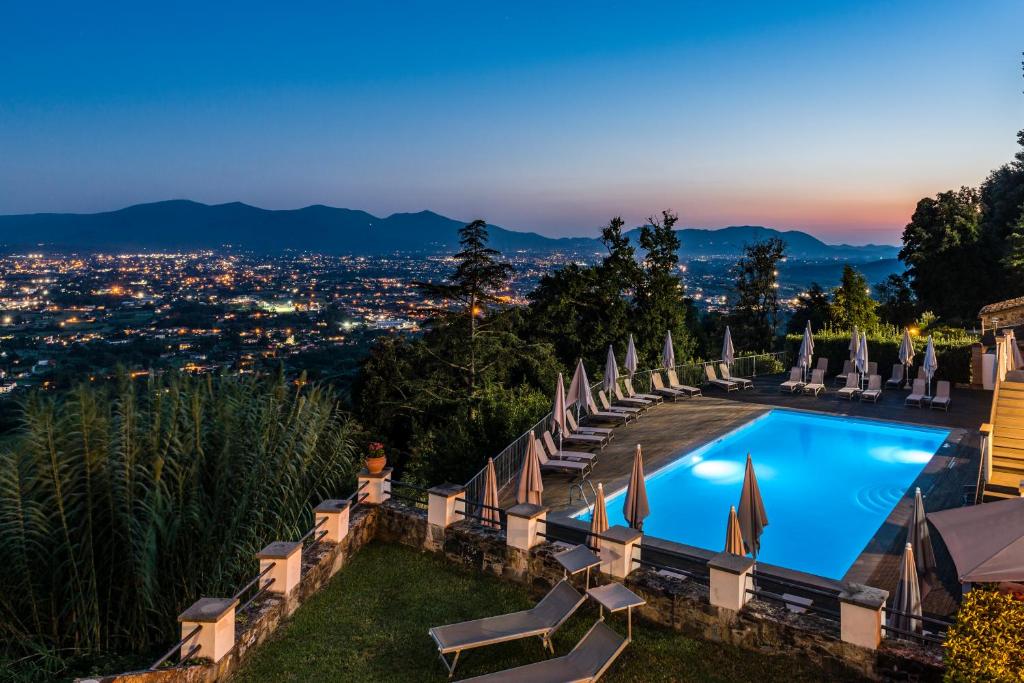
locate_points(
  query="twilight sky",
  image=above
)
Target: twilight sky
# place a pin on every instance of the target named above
(832, 117)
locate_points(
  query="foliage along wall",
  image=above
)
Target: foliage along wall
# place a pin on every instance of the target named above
(952, 352)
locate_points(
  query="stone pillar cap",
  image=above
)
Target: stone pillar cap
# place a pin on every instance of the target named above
(332, 505)
(733, 564)
(622, 534)
(279, 550)
(208, 610)
(366, 474)
(863, 596)
(526, 511)
(447, 490)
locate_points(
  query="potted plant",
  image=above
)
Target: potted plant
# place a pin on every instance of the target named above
(375, 458)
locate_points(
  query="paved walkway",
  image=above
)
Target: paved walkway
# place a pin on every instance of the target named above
(671, 429)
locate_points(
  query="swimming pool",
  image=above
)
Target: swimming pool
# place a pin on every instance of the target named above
(828, 484)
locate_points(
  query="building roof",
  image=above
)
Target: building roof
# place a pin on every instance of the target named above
(1002, 305)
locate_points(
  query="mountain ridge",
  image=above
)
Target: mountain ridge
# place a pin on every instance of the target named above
(187, 224)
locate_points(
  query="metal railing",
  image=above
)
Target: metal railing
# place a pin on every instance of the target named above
(931, 637)
(694, 374)
(410, 494)
(177, 646)
(674, 561)
(475, 510)
(358, 496)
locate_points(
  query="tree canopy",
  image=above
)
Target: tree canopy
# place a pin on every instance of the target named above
(754, 318)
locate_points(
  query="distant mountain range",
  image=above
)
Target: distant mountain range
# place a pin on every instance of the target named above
(184, 224)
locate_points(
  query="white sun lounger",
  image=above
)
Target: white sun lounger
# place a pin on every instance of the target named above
(632, 393)
(916, 397)
(712, 378)
(847, 369)
(897, 376)
(560, 454)
(630, 401)
(606, 405)
(581, 469)
(541, 620)
(659, 386)
(852, 387)
(795, 381)
(822, 365)
(941, 398)
(608, 415)
(570, 421)
(874, 390)
(817, 383)
(674, 383)
(744, 383)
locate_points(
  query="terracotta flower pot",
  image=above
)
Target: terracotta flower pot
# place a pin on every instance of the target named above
(375, 465)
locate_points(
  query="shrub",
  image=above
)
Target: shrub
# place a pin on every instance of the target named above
(987, 641)
(121, 506)
(952, 350)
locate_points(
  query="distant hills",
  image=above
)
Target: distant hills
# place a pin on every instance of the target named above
(184, 224)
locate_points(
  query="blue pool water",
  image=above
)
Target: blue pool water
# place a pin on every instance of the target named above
(828, 484)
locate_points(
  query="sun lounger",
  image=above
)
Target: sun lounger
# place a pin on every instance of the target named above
(555, 453)
(580, 469)
(606, 405)
(541, 620)
(674, 383)
(713, 379)
(897, 376)
(916, 396)
(587, 662)
(607, 415)
(635, 402)
(941, 398)
(795, 381)
(632, 393)
(570, 421)
(817, 383)
(872, 368)
(822, 365)
(852, 387)
(847, 369)
(744, 383)
(584, 440)
(874, 390)
(659, 386)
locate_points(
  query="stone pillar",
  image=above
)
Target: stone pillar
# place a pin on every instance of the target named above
(215, 639)
(335, 516)
(378, 486)
(617, 546)
(730, 577)
(441, 510)
(523, 523)
(286, 556)
(861, 614)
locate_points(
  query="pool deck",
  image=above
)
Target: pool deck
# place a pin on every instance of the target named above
(670, 429)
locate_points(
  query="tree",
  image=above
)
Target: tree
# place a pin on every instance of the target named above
(944, 257)
(852, 304)
(896, 303)
(478, 277)
(1002, 224)
(814, 306)
(754, 317)
(659, 301)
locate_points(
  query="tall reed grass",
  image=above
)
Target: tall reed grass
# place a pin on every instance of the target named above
(120, 506)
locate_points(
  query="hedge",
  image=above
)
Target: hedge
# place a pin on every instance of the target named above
(953, 353)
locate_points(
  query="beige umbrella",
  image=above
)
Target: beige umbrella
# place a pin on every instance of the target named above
(635, 509)
(530, 487)
(920, 538)
(751, 513)
(490, 514)
(733, 535)
(907, 598)
(598, 520)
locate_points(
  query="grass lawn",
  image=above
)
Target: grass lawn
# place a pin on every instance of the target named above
(370, 624)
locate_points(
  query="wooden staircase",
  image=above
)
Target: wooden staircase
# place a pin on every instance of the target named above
(1006, 429)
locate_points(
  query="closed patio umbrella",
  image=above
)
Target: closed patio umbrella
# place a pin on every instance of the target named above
(804, 356)
(558, 409)
(931, 363)
(863, 349)
(906, 354)
(733, 535)
(611, 371)
(728, 352)
(920, 538)
(751, 512)
(854, 343)
(598, 520)
(632, 362)
(810, 338)
(531, 487)
(907, 598)
(668, 352)
(490, 514)
(635, 508)
(579, 390)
